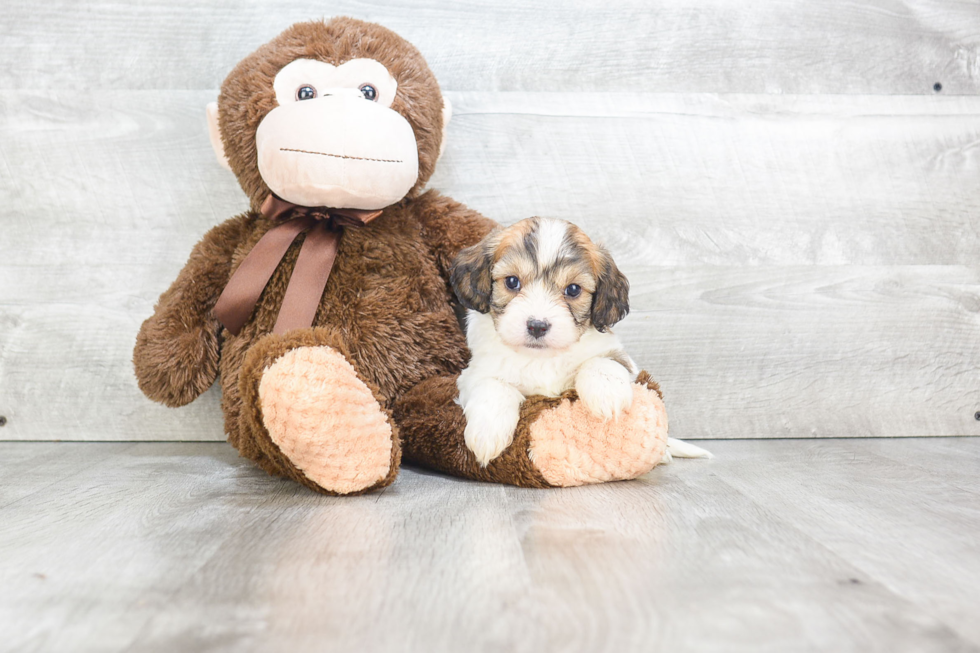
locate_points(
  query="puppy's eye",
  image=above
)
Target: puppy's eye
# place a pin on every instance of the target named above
(305, 92)
(369, 92)
(573, 290)
(512, 283)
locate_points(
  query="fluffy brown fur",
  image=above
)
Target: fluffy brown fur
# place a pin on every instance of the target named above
(388, 306)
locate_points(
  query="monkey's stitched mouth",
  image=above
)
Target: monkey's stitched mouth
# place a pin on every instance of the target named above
(341, 156)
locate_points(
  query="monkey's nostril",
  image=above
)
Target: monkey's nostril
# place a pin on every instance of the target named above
(537, 328)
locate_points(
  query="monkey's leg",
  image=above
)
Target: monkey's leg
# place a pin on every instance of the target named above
(558, 442)
(310, 416)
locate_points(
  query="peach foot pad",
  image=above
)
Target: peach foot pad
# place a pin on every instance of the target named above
(570, 446)
(325, 419)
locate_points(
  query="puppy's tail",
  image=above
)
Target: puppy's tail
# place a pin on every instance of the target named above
(680, 449)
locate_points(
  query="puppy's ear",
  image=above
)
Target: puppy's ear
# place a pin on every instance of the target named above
(470, 276)
(611, 301)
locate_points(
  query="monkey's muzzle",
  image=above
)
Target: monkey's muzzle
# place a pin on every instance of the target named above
(337, 150)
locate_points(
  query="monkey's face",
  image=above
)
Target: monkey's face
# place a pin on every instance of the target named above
(343, 113)
(334, 139)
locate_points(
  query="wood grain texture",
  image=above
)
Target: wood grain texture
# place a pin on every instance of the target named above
(772, 546)
(777, 46)
(730, 180)
(104, 197)
(812, 351)
(911, 528)
(801, 266)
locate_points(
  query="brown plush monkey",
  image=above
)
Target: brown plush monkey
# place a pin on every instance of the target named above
(326, 309)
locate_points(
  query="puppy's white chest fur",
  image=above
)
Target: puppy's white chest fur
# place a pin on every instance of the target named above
(549, 373)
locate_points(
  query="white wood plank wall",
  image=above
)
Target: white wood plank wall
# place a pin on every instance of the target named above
(794, 202)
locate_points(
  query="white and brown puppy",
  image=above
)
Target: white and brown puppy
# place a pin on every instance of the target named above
(541, 298)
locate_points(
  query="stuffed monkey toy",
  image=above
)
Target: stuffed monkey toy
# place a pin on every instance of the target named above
(327, 310)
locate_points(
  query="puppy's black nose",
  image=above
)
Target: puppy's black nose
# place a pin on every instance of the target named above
(537, 328)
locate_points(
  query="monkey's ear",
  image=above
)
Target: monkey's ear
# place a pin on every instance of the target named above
(470, 276)
(214, 133)
(447, 115)
(611, 301)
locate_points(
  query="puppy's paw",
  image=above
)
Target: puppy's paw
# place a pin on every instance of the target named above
(605, 387)
(488, 435)
(606, 400)
(492, 410)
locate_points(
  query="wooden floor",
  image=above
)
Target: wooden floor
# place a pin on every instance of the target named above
(778, 545)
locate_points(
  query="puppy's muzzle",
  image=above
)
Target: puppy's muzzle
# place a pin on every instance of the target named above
(537, 328)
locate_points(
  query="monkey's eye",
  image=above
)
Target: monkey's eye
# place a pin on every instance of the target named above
(369, 92)
(512, 283)
(305, 92)
(573, 290)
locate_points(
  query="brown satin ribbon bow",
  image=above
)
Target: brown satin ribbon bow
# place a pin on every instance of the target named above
(323, 227)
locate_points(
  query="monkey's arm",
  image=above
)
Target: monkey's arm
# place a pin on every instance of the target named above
(176, 354)
(448, 227)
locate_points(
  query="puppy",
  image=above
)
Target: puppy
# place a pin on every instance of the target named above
(541, 297)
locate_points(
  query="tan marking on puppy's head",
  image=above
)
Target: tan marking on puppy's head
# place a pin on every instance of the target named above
(543, 281)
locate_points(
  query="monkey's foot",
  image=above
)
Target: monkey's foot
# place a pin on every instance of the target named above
(558, 441)
(326, 421)
(570, 446)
